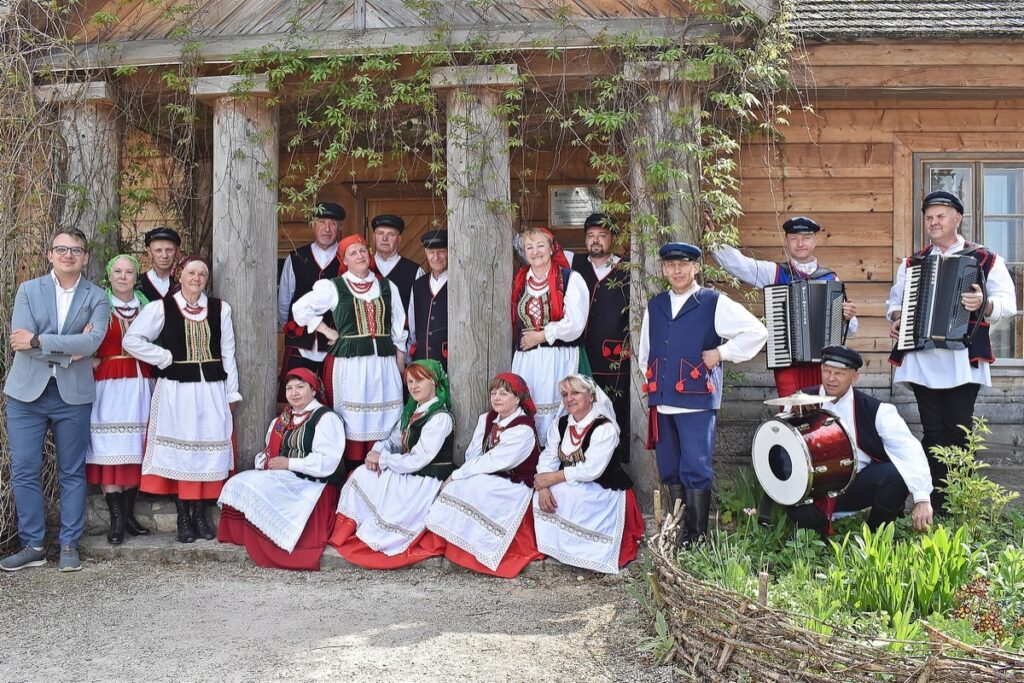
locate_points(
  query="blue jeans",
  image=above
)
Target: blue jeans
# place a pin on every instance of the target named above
(686, 443)
(26, 425)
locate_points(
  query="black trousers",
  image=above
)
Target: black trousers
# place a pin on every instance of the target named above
(943, 411)
(616, 385)
(878, 486)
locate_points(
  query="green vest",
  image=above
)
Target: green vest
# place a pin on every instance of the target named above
(442, 466)
(298, 443)
(353, 323)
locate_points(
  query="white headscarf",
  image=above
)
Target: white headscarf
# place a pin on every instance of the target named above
(602, 404)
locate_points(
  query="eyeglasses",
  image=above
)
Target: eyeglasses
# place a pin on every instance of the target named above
(61, 250)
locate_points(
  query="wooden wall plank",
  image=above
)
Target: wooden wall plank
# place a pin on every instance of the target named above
(886, 54)
(764, 228)
(912, 76)
(805, 195)
(837, 160)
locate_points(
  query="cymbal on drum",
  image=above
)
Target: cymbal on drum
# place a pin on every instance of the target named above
(797, 400)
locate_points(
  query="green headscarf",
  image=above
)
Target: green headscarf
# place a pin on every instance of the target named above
(138, 273)
(441, 389)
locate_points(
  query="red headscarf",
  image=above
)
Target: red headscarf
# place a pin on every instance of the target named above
(556, 285)
(306, 375)
(343, 246)
(518, 385)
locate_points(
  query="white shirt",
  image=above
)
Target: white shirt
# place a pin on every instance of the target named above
(324, 459)
(763, 273)
(432, 436)
(138, 340)
(386, 265)
(744, 334)
(435, 284)
(575, 308)
(944, 368)
(161, 284)
(903, 449)
(603, 441)
(286, 290)
(602, 270)
(513, 447)
(64, 297)
(310, 308)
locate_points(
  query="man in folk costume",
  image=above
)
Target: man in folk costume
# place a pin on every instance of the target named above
(302, 268)
(163, 247)
(800, 242)
(283, 510)
(606, 339)
(945, 381)
(428, 312)
(549, 307)
(387, 238)
(687, 333)
(890, 461)
(362, 371)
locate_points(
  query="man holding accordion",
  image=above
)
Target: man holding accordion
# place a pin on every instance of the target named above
(941, 305)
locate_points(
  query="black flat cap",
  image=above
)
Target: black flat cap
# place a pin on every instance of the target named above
(944, 199)
(679, 251)
(600, 220)
(435, 239)
(800, 225)
(329, 210)
(841, 357)
(386, 220)
(163, 233)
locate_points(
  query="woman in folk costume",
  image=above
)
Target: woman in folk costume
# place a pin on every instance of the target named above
(124, 387)
(483, 510)
(189, 340)
(362, 371)
(550, 305)
(586, 512)
(383, 508)
(283, 510)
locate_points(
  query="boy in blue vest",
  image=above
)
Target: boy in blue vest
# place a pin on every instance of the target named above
(890, 461)
(687, 333)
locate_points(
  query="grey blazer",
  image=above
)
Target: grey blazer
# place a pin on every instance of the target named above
(35, 310)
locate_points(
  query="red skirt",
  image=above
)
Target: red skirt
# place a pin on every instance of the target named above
(185, 490)
(127, 476)
(521, 552)
(632, 530)
(235, 528)
(355, 454)
(344, 539)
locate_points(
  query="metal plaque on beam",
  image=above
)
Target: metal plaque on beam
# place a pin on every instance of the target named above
(569, 205)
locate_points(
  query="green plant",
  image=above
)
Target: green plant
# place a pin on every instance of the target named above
(972, 500)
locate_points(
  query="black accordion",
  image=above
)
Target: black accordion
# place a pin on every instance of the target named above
(933, 316)
(803, 318)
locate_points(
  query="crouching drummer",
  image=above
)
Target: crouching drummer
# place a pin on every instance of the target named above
(890, 461)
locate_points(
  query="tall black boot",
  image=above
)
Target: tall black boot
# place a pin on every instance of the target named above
(677, 492)
(698, 508)
(131, 525)
(200, 522)
(185, 532)
(115, 505)
(764, 510)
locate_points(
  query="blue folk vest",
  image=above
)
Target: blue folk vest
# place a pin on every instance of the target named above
(785, 274)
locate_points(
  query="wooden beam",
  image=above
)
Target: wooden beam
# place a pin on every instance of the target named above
(65, 93)
(500, 76)
(211, 87)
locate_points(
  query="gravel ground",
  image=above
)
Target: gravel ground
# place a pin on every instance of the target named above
(128, 621)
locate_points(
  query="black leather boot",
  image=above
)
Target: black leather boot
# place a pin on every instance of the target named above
(200, 522)
(675, 492)
(115, 505)
(131, 525)
(698, 508)
(185, 532)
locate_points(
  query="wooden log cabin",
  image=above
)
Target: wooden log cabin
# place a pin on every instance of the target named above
(901, 98)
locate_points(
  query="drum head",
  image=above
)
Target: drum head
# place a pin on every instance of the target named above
(781, 462)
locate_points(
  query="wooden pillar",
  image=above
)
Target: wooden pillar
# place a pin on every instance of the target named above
(92, 134)
(480, 236)
(662, 212)
(244, 258)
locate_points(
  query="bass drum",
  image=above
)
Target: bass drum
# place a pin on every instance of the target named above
(798, 458)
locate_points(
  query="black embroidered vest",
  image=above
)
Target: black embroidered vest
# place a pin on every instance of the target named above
(613, 477)
(307, 273)
(606, 338)
(431, 312)
(195, 346)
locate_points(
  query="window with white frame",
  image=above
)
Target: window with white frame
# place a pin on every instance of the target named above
(992, 190)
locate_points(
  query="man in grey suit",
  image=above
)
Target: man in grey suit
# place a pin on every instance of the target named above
(58, 323)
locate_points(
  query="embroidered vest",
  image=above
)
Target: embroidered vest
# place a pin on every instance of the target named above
(431, 311)
(195, 346)
(298, 443)
(524, 472)
(533, 313)
(785, 274)
(364, 327)
(442, 466)
(307, 273)
(676, 375)
(613, 477)
(606, 338)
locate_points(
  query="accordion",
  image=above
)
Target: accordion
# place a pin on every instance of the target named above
(803, 318)
(933, 316)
